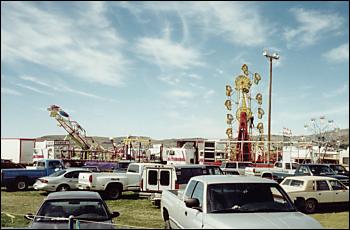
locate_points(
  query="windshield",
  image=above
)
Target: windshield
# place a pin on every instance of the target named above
(247, 197)
(55, 210)
(58, 173)
(321, 170)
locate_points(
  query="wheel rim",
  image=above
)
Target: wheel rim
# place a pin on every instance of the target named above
(310, 206)
(64, 188)
(114, 194)
(21, 185)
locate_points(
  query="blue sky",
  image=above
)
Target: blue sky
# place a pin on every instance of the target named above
(160, 69)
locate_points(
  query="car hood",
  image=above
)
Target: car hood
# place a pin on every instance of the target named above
(280, 220)
(64, 225)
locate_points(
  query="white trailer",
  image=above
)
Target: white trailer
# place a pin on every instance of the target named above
(18, 150)
(51, 149)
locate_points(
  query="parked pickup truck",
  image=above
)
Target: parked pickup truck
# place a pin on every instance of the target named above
(20, 179)
(284, 168)
(235, 167)
(113, 184)
(230, 201)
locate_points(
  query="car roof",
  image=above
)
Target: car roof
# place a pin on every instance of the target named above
(315, 164)
(73, 195)
(192, 166)
(76, 169)
(219, 179)
(310, 178)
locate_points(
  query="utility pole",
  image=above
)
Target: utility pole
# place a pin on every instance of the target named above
(270, 57)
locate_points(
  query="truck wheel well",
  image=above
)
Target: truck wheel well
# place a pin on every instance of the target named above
(115, 184)
(22, 178)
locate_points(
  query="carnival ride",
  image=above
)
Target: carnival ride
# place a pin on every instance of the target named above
(241, 150)
(89, 148)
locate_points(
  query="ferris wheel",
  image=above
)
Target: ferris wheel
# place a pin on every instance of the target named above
(244, 113)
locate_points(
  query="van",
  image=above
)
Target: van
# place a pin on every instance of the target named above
(155, 179)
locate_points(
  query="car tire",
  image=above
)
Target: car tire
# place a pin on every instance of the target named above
(63, 188)
(167, 224)
(113, 192)
(310, 206)
(21, 184)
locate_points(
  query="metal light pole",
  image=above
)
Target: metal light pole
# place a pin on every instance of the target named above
(270, 57)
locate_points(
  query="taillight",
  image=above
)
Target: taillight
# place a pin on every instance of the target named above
(253, 170)
(43, 181)
(177, 186)
(90, 178)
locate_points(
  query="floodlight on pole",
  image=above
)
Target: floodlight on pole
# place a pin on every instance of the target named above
(274, 56)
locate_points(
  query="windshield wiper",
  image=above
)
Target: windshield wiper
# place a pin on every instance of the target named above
(230, 210)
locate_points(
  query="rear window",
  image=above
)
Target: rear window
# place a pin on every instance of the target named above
(231, 165)
(243, 165)
(133, 168)
(286, 182)
(185, 174)
(296, 183)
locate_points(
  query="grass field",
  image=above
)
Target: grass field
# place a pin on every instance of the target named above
(134, 211)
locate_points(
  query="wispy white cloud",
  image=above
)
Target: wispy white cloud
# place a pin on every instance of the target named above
(83, 44)
(341, 90)
(59, 87)
(339, 54)
(10, 91)
(313, 25)
(181, 94)
(167, 53)
(237, 22)
(180, 78)
(33, 89)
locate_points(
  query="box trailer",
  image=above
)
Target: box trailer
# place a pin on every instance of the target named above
(18, 150)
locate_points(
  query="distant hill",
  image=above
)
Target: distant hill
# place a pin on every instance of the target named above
(342, 135)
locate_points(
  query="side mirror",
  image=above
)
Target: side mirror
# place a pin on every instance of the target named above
(29, 216)
(300, 203)
(192, 203)
(115, 214)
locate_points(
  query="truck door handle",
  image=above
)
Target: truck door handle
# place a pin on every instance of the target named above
(320, 194)
(185, 213)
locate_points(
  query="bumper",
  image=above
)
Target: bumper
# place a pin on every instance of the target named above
(83, 187)
(44, 187)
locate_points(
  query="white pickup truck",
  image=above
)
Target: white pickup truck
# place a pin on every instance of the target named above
(230, 201)
(278, 172)
(113, 184)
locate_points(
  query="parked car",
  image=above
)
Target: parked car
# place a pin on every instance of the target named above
(8, 164)
(231, 201)
(92, 168)
(316, 190)
(63, 180)
(82, 205)
(319, 170)
(235, 167)
(21, 178)
(339, 169)
(185, 172)
(122, 166)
